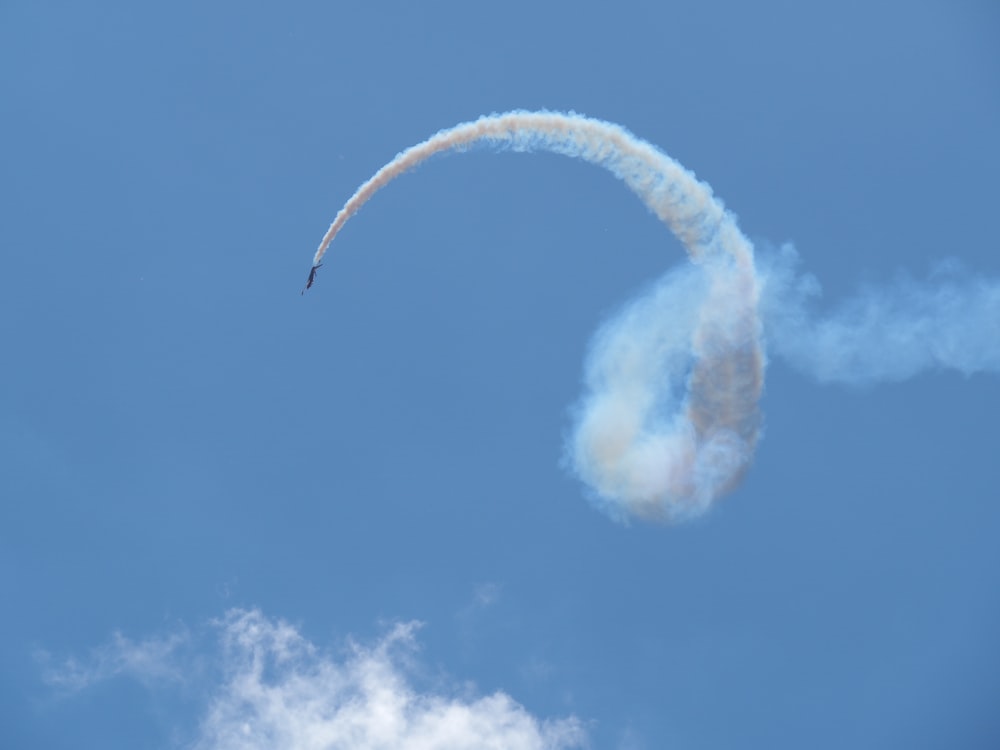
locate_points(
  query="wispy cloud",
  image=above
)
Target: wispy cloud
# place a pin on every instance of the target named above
(486, 594)
(471, 617)
(275, 689)
(536, 669)
(149, 660)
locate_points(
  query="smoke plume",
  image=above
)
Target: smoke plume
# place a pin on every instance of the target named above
(670, 419)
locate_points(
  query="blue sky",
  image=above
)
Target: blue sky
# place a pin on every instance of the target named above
(190, 451)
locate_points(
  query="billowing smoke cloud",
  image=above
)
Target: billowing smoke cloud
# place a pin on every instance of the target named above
(669, 420)
(273, 689)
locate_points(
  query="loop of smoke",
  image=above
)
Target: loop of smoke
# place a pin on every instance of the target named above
(670, 419)
(642, 454)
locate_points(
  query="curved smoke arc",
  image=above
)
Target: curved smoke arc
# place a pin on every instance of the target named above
(642, 453)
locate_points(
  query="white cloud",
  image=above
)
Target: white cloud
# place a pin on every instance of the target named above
(276, 690)
(149, 660)
(279, 692)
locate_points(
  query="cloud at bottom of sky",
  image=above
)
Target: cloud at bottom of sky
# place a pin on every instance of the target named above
(270, 687)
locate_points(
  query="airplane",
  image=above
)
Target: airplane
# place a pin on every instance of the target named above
(312, 276)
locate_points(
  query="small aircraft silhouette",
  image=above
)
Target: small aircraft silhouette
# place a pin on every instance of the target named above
(312, 276)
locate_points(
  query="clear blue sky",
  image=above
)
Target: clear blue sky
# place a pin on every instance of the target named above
(183, 435)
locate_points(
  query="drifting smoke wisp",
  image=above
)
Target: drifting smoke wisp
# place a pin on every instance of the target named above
(670, 418)
(642, 450)
(885, 333)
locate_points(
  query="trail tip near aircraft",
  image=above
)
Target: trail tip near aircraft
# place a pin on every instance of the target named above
(312, 277)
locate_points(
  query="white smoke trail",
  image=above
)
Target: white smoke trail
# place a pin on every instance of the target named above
(643, 449)
(670, 418)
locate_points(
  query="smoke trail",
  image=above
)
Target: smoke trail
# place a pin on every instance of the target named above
(643, 449)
